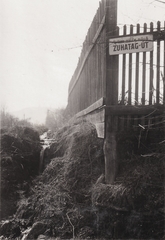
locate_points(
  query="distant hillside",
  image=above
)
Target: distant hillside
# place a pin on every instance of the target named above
(35, 114)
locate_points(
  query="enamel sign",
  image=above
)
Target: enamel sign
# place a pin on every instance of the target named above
(131, 44)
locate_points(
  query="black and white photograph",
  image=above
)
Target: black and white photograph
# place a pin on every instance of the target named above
(82, 119)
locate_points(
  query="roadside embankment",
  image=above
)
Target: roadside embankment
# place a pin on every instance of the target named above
(71, 200)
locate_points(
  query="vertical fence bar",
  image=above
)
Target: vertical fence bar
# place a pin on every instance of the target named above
(151, 71)
(137, 79)
(144, 72)
(123, 68)
(130, 81)
(135, 122)
(123, 79)
(137, 72)
(130, 73)
(158, 67)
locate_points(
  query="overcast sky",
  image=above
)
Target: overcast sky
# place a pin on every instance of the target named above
(41, 42)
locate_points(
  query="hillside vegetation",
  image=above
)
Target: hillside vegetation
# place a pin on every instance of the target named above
(20, 151)
(71, 200)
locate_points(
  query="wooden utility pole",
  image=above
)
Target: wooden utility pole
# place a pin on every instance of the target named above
(111, 91)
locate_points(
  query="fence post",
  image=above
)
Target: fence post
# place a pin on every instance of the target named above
(110, 151)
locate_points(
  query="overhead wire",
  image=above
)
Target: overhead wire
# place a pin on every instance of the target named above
(160, 1)
(126, 15)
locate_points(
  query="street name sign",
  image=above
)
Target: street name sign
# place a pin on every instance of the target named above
(131, 44)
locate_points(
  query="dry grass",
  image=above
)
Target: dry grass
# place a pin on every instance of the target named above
(69, 200)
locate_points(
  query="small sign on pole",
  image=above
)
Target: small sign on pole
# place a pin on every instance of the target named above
(131, 44)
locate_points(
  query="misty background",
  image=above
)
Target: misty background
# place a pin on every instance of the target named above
(41, 42)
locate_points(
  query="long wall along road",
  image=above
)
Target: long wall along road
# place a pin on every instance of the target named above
(112, 84)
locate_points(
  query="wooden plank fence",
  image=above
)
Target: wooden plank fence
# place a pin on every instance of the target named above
(119, 81)
(88, 81)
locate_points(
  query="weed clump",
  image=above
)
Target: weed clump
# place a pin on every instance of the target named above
(61, 195)
(20, 149)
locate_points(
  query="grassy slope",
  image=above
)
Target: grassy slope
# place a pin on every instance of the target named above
(70, 200)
